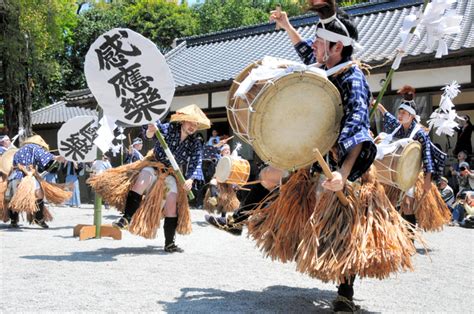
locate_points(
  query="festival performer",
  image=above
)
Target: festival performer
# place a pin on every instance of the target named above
(134, 151)
(221, 196)
(424, 198)
(26, 190)
(142, 194)
(300, 222)
(4, 143)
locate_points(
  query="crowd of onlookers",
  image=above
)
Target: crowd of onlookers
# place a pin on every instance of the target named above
(457, 186)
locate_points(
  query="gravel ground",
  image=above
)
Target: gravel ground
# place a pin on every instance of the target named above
(51, 271)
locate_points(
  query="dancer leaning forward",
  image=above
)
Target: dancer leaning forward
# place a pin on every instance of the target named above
(302, 220)
(25, 189)
(147, 190)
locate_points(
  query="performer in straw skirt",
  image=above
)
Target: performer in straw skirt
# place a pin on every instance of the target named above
(26, 190)
(221, 197)
(424, 197)
(150, 187)
(304, 221)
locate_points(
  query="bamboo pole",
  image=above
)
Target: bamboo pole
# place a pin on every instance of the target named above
(171, 158)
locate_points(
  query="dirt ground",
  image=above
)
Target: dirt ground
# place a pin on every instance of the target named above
(51, 271)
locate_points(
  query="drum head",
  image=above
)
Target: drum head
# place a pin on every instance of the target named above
(409, 166)
(237, 108)
(296, 114)
(6, 164)
(223, 169)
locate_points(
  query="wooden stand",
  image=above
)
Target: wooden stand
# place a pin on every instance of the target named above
(85, 232)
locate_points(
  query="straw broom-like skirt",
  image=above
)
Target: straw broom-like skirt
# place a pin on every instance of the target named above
(327, 240)
(278, 227)
(114, 184)
(368, 238)
(24, 199)
(208, 206)
(227, 200)
(3, 202)
(146, 221)
(431, 211)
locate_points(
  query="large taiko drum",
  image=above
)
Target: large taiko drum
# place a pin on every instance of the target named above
(401, 167)
(286, 118)
(6, 162)
(232, 170)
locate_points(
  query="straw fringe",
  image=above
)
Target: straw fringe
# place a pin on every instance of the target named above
(46, 214)
(328, 251)
(114, 184)
(227, 199)
(431, 212)
(3, 202)
(278, 227)
(146, 220)
(184, 215)
(368, 238)
(386, 242)
(207, 205)
(55, 193)
(24, 199)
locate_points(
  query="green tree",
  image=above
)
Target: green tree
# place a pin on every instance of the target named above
(98, 19)
(161, 21)
(216, 15)
(32, 37)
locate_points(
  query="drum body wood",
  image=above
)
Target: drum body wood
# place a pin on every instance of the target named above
(285, 119)
(400, 168)
(232, 170)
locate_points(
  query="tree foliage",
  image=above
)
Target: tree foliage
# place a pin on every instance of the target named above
(91, 23)
(32, 36)
(161, 21)
(216, 15)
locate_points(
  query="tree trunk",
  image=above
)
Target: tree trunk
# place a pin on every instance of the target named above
(14, 85)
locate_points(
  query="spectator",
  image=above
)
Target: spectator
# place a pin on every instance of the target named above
(454, 171)
(99, 166)
(4, 143)
(73, 170)
(134, 153)
(463, 213)
(214, 139)
(447, 192)
(464, 137)
(465, 178)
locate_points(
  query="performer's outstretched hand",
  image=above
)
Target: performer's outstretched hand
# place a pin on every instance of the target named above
(336, 183)
(188, 184)
(280, 18)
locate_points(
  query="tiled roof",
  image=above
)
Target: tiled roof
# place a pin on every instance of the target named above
(219, 57)
(58, 113)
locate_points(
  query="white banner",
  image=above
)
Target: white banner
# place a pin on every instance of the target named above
(129, 77)
(76, 139)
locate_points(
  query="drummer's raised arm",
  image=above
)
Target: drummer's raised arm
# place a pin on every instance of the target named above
(281, 19)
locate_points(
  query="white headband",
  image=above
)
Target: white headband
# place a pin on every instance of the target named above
(335, 37)
(410, 110)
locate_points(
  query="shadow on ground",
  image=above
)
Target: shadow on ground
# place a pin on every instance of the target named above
(100, 255)
(423, 251)
(273, 299)
(280, 299)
